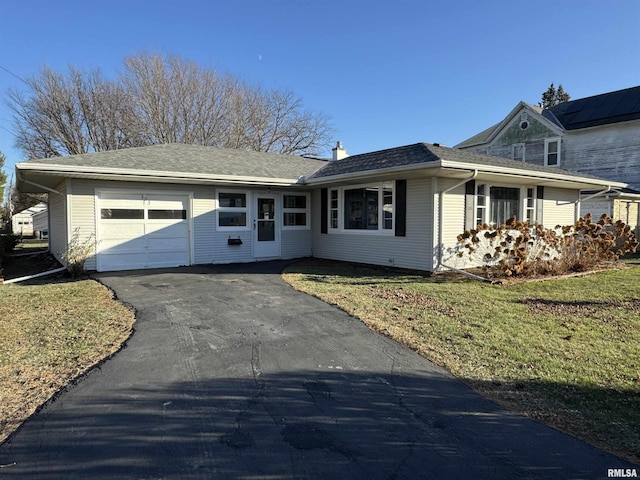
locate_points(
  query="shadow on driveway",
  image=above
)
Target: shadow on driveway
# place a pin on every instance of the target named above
(232, 374)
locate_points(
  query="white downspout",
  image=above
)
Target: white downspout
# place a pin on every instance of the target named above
(440, 223)
(578, 202)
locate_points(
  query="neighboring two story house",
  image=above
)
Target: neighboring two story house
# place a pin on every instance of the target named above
(597, 135)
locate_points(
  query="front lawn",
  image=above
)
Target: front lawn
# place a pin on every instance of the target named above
(565, 351)
(53, 331)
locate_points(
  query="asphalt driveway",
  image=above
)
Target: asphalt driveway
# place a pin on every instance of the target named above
(232, 374)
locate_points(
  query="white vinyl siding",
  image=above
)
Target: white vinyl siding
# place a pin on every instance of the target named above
(58, 222)
(296, 243)
(412, 251)
(559, 207)
(204, 224)
(453, 209)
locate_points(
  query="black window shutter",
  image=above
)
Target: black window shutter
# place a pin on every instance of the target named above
(539, 202)
(401, 208)
(324, 214)
(469, 197)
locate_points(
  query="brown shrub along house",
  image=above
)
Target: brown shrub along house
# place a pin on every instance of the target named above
(173, 204)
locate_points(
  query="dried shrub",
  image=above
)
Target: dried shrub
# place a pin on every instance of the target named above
(77, 252)
(519, 249)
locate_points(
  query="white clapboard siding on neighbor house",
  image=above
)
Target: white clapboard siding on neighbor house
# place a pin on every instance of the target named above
(611, 152)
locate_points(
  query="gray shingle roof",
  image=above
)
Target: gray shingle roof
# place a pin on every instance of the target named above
(178, 158)
(192, 163)
(424, 153)
(478, 138)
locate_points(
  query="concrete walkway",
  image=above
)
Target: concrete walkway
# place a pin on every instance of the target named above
(231, 374)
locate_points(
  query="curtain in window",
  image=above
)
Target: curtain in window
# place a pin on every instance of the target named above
(504, 204)
(361, 209)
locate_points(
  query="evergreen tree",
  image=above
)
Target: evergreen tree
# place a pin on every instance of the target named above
(552, 97)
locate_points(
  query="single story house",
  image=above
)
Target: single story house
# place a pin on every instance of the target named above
(29, 221)
(173, 204)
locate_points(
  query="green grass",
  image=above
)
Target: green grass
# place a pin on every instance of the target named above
(51, 334)
(564, 351)
(28, 244)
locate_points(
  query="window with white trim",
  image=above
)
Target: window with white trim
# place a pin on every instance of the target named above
(481, 204)
(552, 152)
(495, 204)
(295, 211)
(232, 211)
(333, 209)
(368, 207)
(517, 152)
(530, 206)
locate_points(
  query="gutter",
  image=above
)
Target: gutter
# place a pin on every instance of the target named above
(440, 222)
(148, 175)
(562, 176)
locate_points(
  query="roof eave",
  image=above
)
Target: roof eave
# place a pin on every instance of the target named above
(372, 173)
(560, 177)
(155, 176)
(451, 166)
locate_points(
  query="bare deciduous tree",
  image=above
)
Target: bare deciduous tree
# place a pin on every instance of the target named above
(159, 100)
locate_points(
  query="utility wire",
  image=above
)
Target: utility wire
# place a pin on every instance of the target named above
(13, 74)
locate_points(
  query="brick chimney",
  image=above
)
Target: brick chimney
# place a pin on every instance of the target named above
(339, 152)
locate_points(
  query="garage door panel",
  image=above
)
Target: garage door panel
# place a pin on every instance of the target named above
(121, 201)
(177, 229)
(121, 230)
(123, 261)
(165, 203)
(115, 246)
(168, 259)
(158, 238)
(166, 243)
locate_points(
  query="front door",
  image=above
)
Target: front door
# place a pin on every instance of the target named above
(266, 232)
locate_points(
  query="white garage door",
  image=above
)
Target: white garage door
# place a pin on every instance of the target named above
(142, 231)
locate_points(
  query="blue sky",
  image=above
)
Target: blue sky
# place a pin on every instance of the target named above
(387, 73)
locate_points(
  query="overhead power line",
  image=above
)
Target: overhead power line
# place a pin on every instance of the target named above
(13, 74)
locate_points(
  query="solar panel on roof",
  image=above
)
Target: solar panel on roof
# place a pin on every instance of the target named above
(624, 106)
(585, 115)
